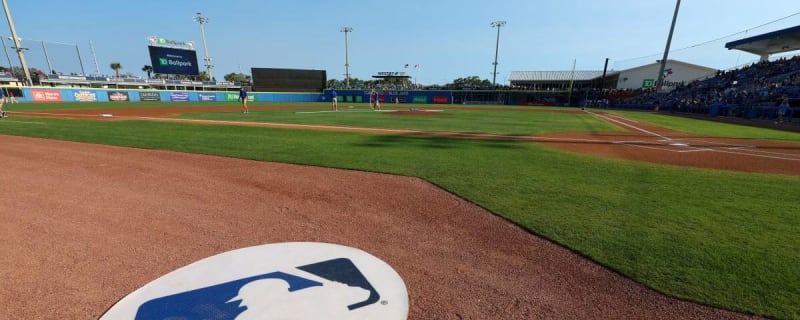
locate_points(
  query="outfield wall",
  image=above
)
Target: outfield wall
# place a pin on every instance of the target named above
(392, 96)
(49, 94)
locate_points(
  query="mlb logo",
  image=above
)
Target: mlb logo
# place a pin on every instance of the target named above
(339, 283)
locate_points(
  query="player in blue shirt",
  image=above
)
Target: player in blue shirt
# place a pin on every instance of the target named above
(334, 101)
(243, 97)
(2, 101)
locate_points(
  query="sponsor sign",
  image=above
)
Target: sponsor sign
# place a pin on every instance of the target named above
(46, 95)
(440, 99)
(179, 96)
(173, 61)
(235, 97)
(85, 96)
(299, 280)
(648, 83)
(207, 96)
(149, 96)
(391, 74)
(164, 42)
(115, 96)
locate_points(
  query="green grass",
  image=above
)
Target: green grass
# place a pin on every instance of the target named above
(726, 239)
(709, 128)
(461, 119)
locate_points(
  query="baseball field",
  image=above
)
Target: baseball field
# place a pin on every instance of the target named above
(486, 212)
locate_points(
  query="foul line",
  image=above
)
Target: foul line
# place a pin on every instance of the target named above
(757, 155)
(629, 126)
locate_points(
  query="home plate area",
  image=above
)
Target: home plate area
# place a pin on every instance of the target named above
(682, 146)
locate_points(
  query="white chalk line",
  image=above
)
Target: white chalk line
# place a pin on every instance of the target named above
(753, 151)
(17, 121)
(791, 158)
(630, 126)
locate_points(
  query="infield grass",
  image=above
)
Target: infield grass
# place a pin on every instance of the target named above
(726, 239)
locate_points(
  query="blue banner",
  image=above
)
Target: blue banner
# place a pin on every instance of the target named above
(207, 96)
(179, 96)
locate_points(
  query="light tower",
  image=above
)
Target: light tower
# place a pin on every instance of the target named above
(498, 25)
(346, 30)
(660, 78)
(199, 18)
(17, 47)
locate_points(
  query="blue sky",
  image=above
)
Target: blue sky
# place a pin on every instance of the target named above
(448, 38)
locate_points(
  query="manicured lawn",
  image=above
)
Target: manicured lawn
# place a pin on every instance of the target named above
(726, 239)
(461, 119)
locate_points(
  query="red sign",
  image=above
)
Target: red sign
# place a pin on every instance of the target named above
(46, 95)
(441, 99)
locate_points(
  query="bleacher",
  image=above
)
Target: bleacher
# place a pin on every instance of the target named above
(136, 83)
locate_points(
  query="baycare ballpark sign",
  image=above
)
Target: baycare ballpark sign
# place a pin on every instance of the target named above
(295, 280)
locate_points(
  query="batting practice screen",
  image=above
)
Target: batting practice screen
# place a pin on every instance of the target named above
(173, 61)
(288, 80)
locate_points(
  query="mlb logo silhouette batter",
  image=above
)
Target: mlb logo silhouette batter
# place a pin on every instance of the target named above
(332, 288)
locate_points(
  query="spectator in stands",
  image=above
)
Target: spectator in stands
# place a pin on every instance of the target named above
(783, 109)
(243, 98)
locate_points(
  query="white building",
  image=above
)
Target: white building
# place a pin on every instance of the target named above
(676, 73)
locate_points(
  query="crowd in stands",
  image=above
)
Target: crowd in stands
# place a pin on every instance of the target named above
(757, 91)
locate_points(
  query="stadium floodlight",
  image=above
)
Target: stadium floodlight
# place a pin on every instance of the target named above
(17, 47)
(498, 25)
(663, 67)
(346, 30)
(199, 18)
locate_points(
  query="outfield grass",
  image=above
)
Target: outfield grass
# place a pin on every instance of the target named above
(726, 239)
(461, 119)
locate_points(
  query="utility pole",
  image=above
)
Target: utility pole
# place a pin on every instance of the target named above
(498, 25)
(346, 30)
(660, 78)
(17, 46)
(203, 20)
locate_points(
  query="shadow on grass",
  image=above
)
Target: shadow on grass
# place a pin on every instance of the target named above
(383, 141)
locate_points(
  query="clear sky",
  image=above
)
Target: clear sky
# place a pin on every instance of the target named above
(448, 38)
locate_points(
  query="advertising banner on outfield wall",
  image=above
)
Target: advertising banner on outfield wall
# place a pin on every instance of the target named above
(207, 96)
(118, 96)
(179, 96)
(46, 95)
(149, 96)
(85, 96)
(235, 97)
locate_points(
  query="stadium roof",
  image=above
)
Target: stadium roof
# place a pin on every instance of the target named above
(769, 43)
(554, 75)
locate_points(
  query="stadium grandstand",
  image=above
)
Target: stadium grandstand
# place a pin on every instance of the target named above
(78, 81)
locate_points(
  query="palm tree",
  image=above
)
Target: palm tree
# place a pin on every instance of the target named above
(148, 69)
(116, 66)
